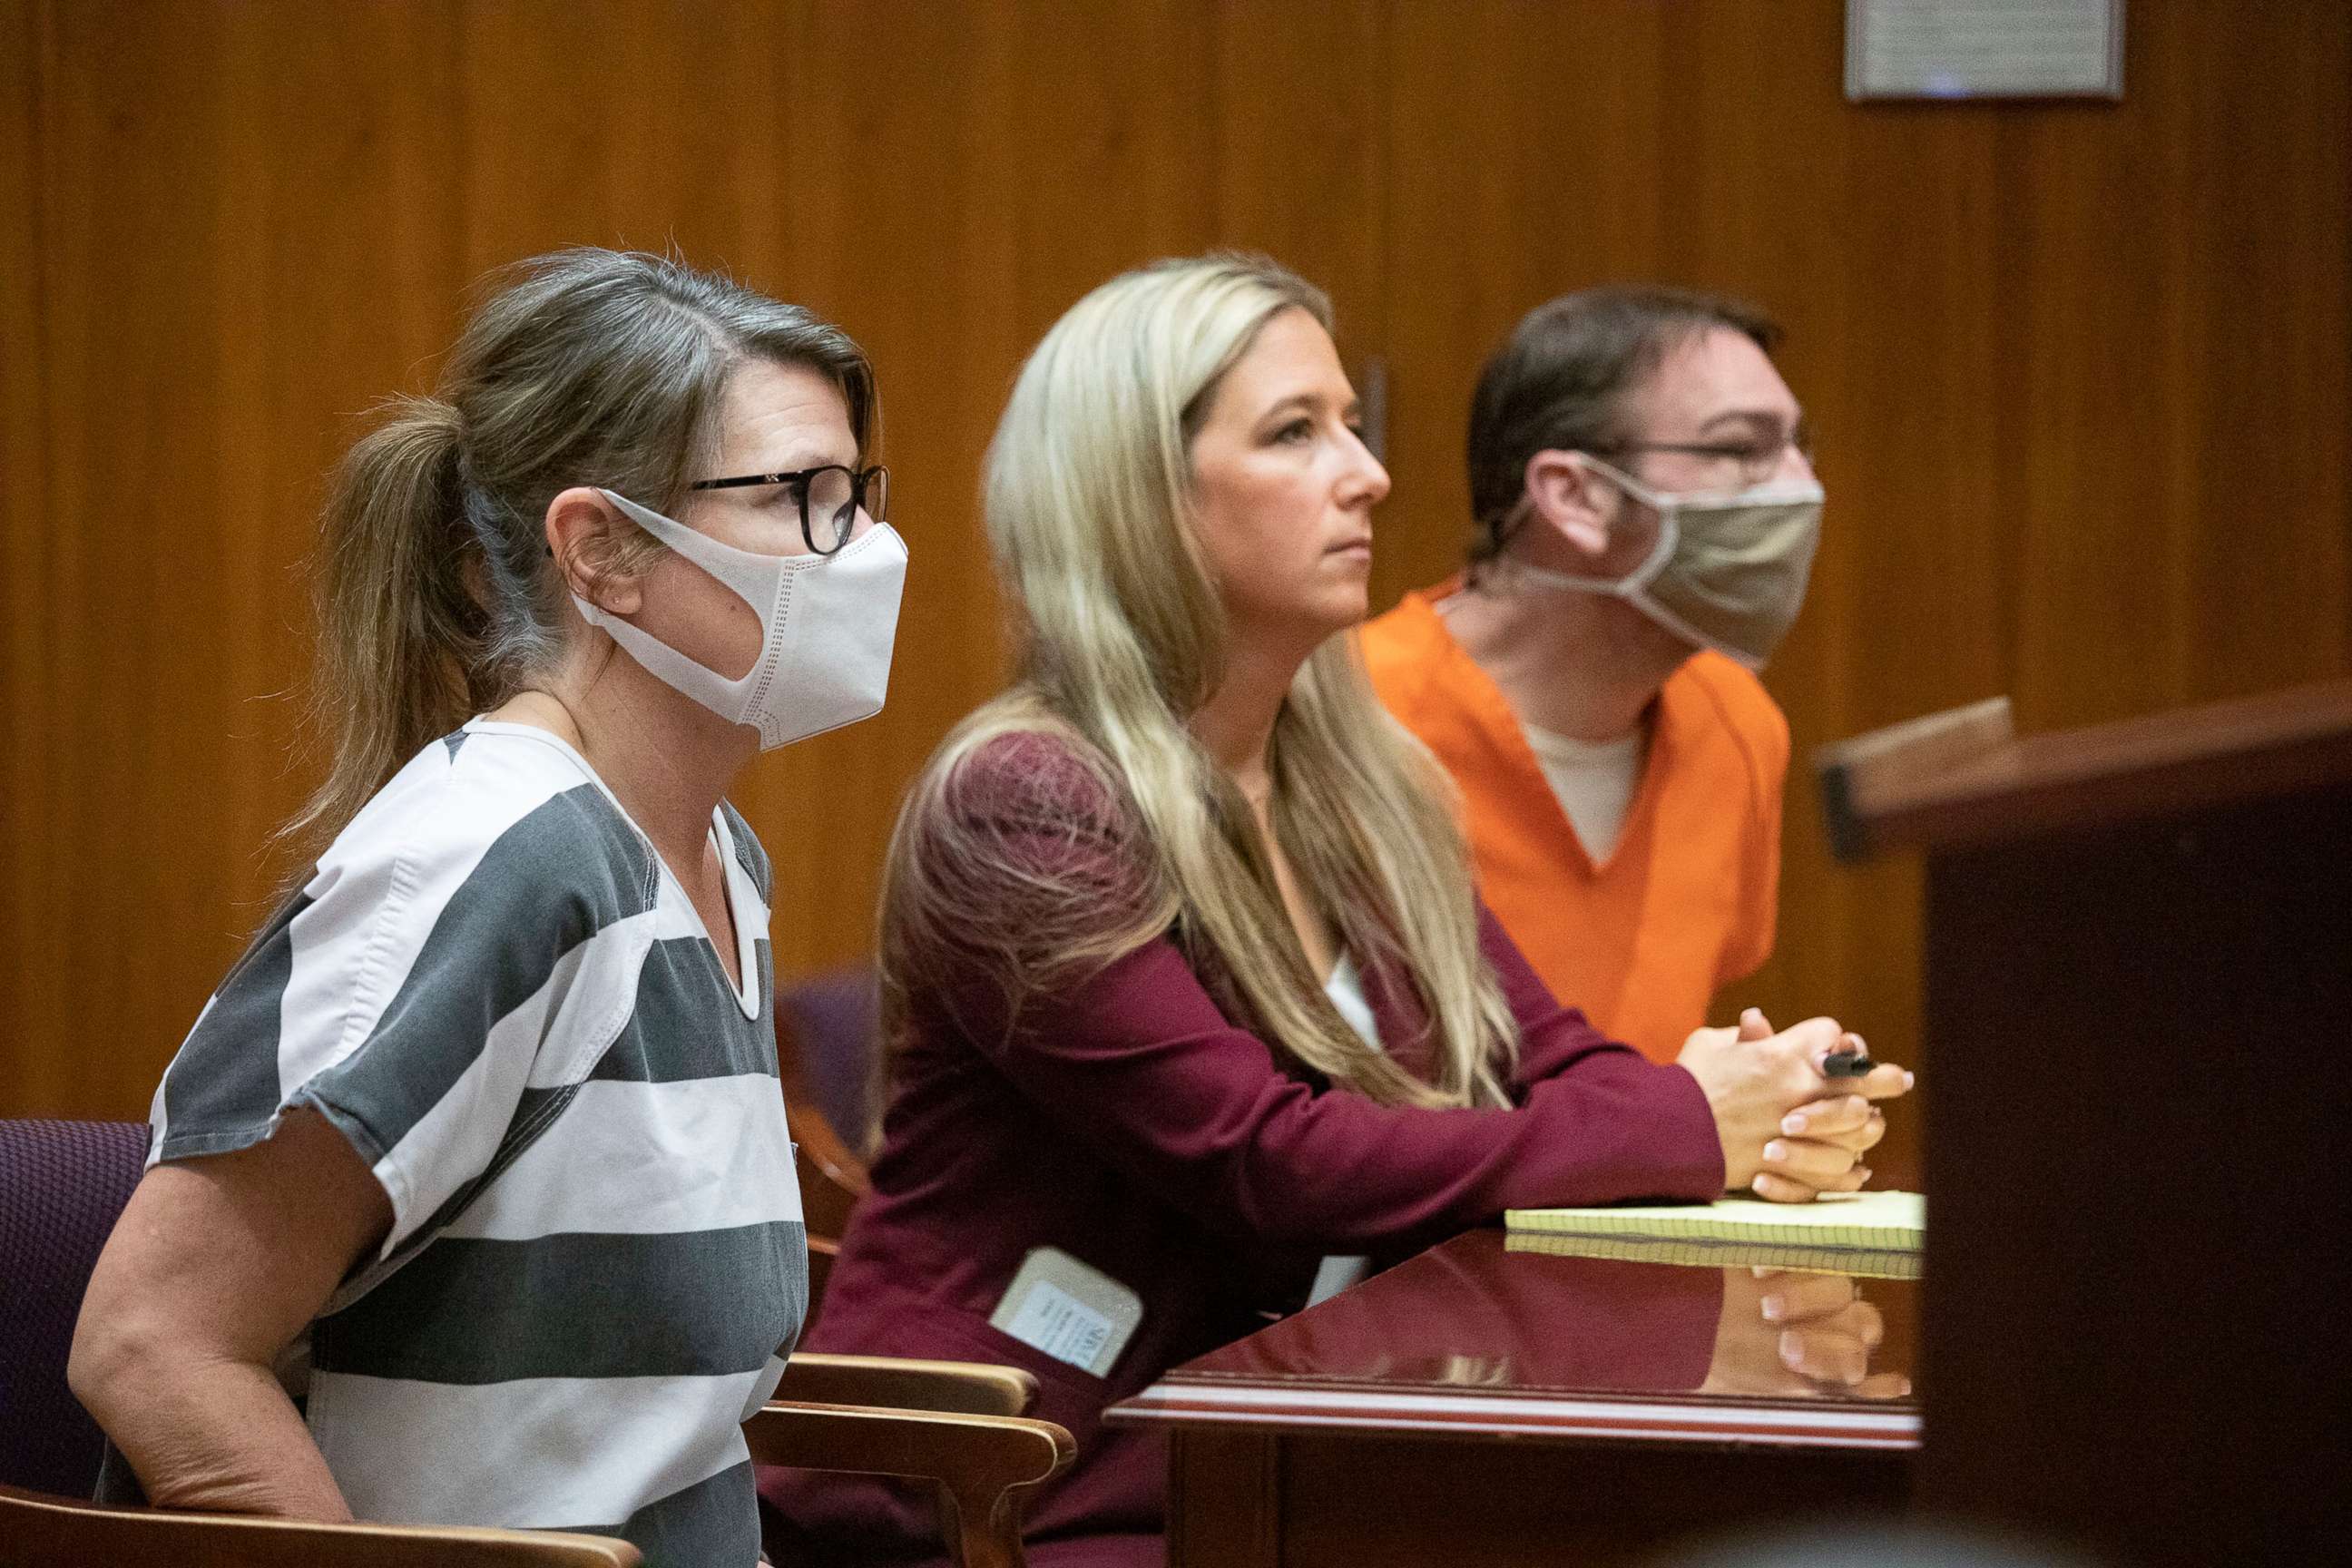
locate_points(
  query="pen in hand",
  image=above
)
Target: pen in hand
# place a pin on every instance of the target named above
(1851, 1059)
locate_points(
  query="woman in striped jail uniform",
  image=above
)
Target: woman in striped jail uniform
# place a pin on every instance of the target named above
(470, 1197)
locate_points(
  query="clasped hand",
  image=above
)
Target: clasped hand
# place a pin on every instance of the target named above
(1784, 1333)
(1789, 1132)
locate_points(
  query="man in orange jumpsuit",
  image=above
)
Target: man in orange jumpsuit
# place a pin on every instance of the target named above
(1647, 518)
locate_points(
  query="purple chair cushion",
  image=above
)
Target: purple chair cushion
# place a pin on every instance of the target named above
(834, 1019)
(62, 1186)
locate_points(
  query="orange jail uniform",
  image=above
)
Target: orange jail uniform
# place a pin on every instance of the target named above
(1684, 905)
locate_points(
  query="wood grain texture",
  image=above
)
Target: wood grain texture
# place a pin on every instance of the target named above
(2079, 369)
(2141, 950)
(30, 935)
(1344, 1497)
(39, 1530)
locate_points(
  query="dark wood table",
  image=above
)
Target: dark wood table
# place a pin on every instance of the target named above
(1481, 1403)
(2138, 945)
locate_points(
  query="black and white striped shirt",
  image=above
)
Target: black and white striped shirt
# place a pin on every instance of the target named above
(492, 985)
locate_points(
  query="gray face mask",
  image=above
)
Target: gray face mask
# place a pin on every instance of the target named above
(1728, 571)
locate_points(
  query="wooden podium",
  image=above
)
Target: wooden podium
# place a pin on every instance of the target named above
(2138, 1138)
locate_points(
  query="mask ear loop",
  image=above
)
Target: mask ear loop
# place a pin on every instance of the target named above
(1633, 582)
(1670, 530)
(1502, 530)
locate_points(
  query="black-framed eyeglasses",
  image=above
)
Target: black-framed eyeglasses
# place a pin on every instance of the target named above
(1758, 460)
(830, 499)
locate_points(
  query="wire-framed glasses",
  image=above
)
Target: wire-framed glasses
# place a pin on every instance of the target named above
(830, 499)
(1758, 460)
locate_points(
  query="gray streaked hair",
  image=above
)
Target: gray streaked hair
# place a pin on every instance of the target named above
(436, 597)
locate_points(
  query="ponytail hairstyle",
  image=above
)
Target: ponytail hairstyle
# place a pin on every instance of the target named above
(437, 597)
(1089, 506)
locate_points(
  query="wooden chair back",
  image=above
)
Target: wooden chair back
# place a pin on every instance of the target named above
(984, 1467)
(38, 1531)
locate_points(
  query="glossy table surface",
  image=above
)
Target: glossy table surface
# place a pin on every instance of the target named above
(1483, 1337)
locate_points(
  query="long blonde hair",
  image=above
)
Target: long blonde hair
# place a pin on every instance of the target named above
(1089, 500)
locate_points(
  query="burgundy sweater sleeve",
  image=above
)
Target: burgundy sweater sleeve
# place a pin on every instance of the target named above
(1554, 1038)
(1138, 1061)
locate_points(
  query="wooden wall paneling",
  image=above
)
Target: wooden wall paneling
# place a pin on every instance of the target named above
(1765, 202)
(1297, 140)
(756, 157)
(1108, 143)
(346, 132)
(2261, 257)
(1535, 151)
(548, 92)
(636, 123)
(704, 130)
(2091, 199)
(985, 167)
(2180, 286)
(1518, 168)
(411, 191)
(696, 158)
(761, 141)
(1759, 207)
(1297, 135)
(210, 223)
(31, 889)
(898, 223)
(736, 185)
(253, 516)
(138, 176)
(536, 123)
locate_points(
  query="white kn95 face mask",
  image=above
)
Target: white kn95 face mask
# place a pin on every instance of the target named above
(827, 625)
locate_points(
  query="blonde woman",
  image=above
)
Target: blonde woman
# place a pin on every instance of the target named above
(1190, 1001)
(470, 1196)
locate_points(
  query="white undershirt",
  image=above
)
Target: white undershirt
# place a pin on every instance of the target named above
(1345, 989)
(1594, 780)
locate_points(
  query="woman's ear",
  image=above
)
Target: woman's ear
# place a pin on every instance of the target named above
(584, 531)
(1570, 500)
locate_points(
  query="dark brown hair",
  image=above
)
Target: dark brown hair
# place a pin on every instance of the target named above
(1560, 382)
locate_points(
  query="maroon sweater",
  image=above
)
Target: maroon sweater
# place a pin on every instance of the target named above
(1126, 1120)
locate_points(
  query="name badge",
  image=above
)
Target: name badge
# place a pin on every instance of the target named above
(1073, 1312)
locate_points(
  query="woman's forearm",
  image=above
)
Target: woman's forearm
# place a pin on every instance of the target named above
(215, 1436)
(215, 1268)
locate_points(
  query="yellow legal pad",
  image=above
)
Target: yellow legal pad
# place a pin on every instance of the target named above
(1876, 1233)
